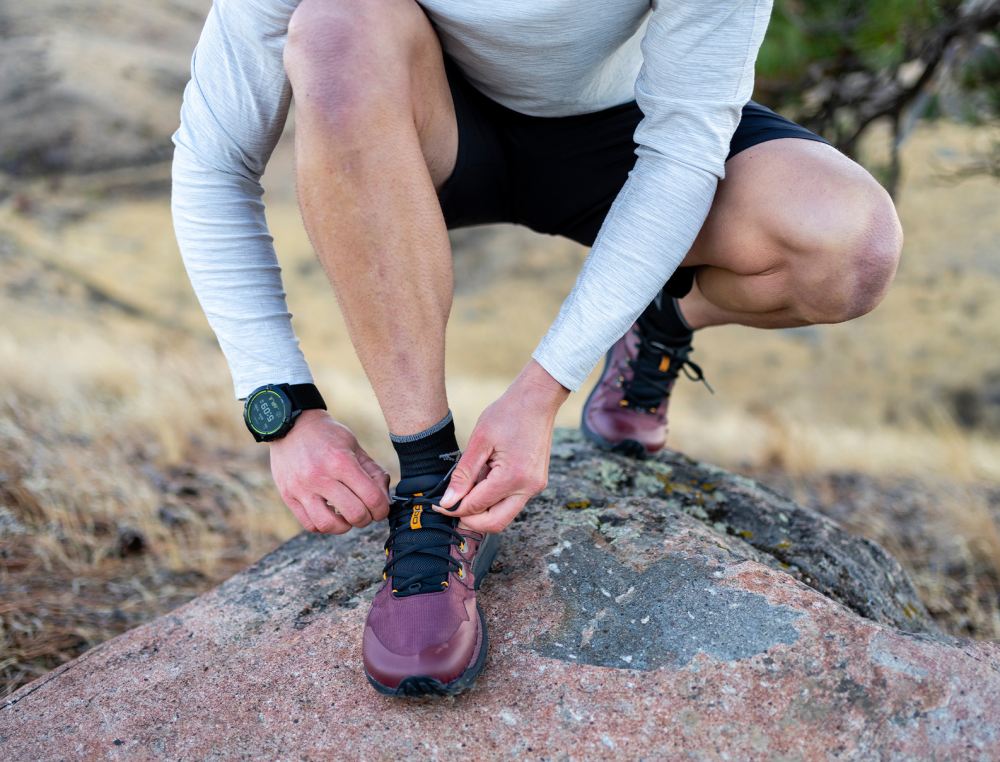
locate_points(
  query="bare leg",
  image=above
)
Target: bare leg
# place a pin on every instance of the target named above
(375, 135)
(798, 234)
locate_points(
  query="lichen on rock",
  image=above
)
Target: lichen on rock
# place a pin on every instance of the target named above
(638, 609)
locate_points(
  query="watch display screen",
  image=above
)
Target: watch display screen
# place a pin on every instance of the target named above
(268, 411)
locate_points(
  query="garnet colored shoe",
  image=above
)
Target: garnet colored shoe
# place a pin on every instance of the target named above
(626, 411)
(425, 633)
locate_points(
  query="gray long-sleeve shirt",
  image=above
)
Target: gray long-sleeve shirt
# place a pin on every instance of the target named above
(688, 63)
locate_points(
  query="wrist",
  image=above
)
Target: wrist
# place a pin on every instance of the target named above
(538, 386)
(271, 411)
(303, 421)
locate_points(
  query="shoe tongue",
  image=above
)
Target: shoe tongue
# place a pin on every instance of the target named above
(425, 483)
(420, 526)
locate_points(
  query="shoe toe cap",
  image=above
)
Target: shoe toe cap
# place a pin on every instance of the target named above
(423, 638)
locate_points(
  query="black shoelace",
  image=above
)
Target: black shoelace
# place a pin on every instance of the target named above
(654, 371)
(419, 546)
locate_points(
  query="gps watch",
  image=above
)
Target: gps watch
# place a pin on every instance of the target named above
(270, 411)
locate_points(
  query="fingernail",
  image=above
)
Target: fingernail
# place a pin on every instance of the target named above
(449, 496)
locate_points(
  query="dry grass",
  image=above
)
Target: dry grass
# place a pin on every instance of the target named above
(109, 510)
(127, 484)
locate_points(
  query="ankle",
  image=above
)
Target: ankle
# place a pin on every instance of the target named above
(665, 322)
(424, 454)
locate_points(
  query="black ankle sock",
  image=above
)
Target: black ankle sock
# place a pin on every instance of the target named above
(420, 454)
(663, 320)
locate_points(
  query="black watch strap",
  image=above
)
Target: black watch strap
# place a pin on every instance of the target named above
(305, 396)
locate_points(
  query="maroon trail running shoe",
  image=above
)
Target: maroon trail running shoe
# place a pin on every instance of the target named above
(425, 633)
(626, 411)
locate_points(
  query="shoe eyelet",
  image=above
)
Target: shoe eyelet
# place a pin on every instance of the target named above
(461, 546)
(384, 576)
(461, 571)
(386, 552)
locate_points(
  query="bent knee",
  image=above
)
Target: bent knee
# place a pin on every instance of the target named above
(854, 261)
(875, 258)
(342, 55)
(320, 33)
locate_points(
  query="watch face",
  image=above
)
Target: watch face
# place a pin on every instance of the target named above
(267, 412)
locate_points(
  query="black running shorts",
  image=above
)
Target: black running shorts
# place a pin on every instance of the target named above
(559, 175)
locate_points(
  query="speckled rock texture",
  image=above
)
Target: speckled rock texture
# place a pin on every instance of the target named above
(654, 610)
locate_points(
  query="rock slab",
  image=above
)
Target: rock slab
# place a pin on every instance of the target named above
(661, 609)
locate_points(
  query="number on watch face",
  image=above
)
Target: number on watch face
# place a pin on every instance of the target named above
(268, 412)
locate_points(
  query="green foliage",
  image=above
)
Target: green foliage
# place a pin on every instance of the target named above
(828, 33)
(841, 66)
(981, 75)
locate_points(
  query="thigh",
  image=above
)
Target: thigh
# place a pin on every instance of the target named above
(570, 170)
(560, 175)
(782, 200)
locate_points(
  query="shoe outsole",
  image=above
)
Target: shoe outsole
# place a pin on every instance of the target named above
(422, 685)
(629, 447)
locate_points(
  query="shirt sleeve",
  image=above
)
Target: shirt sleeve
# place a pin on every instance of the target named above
(697, 74)
(233, 112)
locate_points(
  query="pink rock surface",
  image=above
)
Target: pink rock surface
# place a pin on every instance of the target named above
(621, 631)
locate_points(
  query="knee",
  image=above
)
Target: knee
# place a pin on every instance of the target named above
(342, 56)
(875, 257)
(853, 257)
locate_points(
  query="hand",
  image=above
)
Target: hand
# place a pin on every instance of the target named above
(325, 478)
(507, 460)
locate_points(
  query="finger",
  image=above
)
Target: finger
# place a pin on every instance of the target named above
(374, 470)
(324, 517)
(467, 471)
(484, 495)
(347, 504)
(368, 490)
(498, 517)
(300, 513)
(378, 509)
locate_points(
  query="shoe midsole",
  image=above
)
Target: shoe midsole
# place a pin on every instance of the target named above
(484, 557)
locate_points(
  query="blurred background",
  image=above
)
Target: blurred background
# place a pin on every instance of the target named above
(128, 483)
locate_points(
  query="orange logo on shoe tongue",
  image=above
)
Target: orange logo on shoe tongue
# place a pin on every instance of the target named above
(664, 364)
(415, 517)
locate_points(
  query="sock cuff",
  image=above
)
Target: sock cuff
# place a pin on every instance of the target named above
(664, 321)
(401, 438)
(680, 315)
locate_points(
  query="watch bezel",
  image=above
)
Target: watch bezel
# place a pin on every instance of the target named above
(290, 413)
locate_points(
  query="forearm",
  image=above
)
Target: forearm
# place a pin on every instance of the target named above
(230, 260)
(638, 249)
(697, 74)
(233, 112)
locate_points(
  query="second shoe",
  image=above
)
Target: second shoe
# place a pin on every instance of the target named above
(626, 411)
